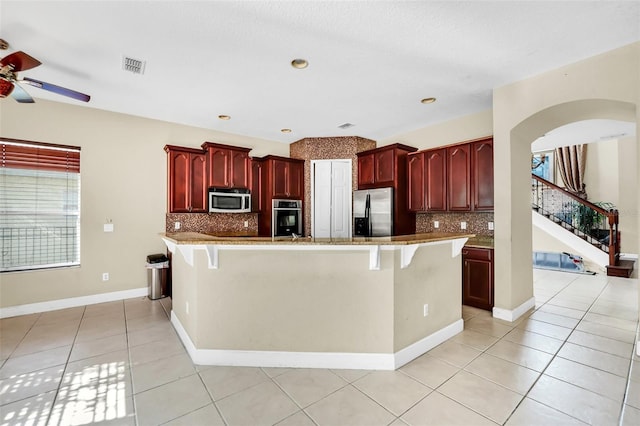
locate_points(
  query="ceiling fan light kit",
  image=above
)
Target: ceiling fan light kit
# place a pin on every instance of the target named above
(20, 61)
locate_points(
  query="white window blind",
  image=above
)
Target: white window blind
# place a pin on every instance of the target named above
(39, 206)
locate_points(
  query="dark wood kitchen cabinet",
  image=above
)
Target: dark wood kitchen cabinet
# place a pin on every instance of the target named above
(459, 177)
(280, 177)
(416, 185)
(427, 180)
(482, 166)
(187, 183)
(229, 166)
(387, 167)
(452, 178)
(477, 277)
(257, 185)
(383, 167)
(287, 177)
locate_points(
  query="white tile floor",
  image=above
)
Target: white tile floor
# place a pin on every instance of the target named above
(570, 361)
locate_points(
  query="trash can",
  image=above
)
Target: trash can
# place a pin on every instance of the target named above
(157, 270)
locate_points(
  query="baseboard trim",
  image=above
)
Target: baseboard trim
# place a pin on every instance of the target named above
(351, 361)
(72, 302)
(514, 314)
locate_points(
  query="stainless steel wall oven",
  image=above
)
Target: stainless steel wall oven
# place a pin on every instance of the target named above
(286, 218)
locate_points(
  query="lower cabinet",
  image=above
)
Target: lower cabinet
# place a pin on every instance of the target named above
(477, 277)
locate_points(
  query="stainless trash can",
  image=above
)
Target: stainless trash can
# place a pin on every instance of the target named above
(157, 271)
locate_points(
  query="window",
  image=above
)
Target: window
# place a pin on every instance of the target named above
(542, 165)
(39, 205)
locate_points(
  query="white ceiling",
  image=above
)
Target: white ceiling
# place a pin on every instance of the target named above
(370, 61)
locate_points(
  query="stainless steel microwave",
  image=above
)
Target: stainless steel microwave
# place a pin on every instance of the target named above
(229, 200)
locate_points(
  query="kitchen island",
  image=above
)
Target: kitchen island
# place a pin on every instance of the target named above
(355, 303)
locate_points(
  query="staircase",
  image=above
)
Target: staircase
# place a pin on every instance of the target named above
(596, 225)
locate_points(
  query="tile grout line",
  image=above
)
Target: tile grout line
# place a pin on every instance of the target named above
(556, 355)
(66, 364)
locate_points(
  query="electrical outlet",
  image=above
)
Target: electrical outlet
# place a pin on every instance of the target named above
(176, 225)
(246, 223)
(490, 226)
(436, 224)
(463, 225)
(425, 309)
(105, 276)
(186, 307)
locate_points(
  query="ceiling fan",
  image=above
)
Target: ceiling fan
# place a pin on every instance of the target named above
(20, 61)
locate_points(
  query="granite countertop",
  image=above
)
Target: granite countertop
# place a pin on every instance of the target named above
(480, 241)
(195, 238)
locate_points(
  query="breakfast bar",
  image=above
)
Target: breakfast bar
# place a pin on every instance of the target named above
(354, 303)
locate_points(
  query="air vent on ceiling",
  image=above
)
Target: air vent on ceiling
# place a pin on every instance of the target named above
(135, 66)
(346, 126)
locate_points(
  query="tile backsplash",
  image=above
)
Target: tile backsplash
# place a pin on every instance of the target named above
(477, 222)
(222, 223)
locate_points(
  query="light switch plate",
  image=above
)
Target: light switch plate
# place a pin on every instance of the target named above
(463, 225)
(490, 226)
(108, 227)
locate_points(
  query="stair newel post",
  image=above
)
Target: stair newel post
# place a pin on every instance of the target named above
(614, 238)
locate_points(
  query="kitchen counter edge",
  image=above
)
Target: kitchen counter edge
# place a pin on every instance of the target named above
(196, 238)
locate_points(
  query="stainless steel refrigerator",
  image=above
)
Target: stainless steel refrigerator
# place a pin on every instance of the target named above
(373, 212)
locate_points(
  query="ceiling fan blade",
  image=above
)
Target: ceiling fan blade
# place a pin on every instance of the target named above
(20, 61)
(21, 95)
(56, 89)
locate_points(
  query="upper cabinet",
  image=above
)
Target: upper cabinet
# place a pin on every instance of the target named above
(229, 166)
(453, 178)
(459, 182)
(427, 180)
(187, 180)
(287, 177)
(383, 167)
(257, 186)
(482, 165)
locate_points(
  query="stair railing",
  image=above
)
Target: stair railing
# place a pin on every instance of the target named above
(593, 223)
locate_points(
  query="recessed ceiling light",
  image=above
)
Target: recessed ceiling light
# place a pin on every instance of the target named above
(285, 130)
(224, 117)
(299, 63)
(428, 100)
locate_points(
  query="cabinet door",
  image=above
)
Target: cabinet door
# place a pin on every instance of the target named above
(219, 162)
(198, 179)
(256, 186)
(296, 181)
(416, 182)
(179, 182)
(366, 173)
(239, 169)
(385, 167)
(436, 180)
(483, 175)
(280, 178)
(477, 279)
(459, 182)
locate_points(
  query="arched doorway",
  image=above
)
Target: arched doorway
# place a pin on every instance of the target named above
(514, 282)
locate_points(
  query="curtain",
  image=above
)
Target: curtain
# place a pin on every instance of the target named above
(570, 162)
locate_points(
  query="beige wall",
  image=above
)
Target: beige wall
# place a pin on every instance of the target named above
(604, 86)
(123, 179)
(461, 129)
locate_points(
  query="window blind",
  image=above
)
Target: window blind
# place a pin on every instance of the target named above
(39, 206)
